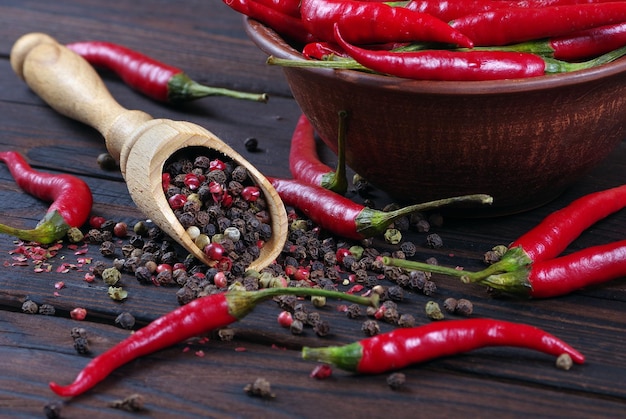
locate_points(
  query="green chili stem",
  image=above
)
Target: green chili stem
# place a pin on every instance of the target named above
(346, 357)
(371, 222)
(337, 181)
(336, 64)
(242, 302)
(558, 66)
(50, 229)
(514, 260)
(182, 88)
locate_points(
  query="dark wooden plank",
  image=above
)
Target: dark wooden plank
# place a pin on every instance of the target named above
(205, 38)
(214, 382)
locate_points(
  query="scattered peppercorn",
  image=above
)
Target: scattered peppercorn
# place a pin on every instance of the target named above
(564, 362)
(251, 144)
(433, 311)
(47, 310)
(107, 162)
(396, 380)
(52, 410)
(296, 327)
(449, 304)
(434, 241)
(82, 345)
(78, 313)
(117, 293)
(370, 327)
(406, 320)
(260, 388)
(464, 307)
(132, 403)
(111, 276)
(30, 307)
(74, 235)
(125, 320)
(321, 328)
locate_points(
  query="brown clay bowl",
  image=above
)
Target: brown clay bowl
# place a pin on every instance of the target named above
(523, 141)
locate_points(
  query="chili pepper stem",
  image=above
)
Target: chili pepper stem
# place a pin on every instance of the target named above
(558, 66)
(50, 229)
(514, 282)
(336, 64)
(242, 302)
(514, 260)
(182, 89)
(344, 357)
(337, 181)
(372, 222)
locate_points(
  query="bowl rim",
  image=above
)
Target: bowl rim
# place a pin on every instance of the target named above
(272, 43)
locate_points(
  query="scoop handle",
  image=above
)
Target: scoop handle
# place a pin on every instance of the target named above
(71, 86)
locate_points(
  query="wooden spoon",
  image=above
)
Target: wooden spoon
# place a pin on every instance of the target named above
(140, 143)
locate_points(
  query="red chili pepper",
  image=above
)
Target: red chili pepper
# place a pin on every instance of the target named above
(448, 10)
(563, 275)
(304, 162)
(458, 65)
(529, 266)
(346, 218)
(284, 24)
(322, 51)
(199, 316)
(406, 346)
(374, 22)
(576, 46)
(71, 200)
(555, 232)
(153, 78)
(288, 7)
(516, 24)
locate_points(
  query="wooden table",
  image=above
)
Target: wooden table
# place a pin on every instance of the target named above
(206, 378)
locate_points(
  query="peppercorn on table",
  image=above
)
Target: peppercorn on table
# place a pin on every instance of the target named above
(59, 313)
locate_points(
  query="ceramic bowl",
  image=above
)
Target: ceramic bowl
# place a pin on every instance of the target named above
(523, 141)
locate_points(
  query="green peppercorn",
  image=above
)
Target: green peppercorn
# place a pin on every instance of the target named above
(357, 251)
(393, 236)
(111, 276)
(74, 235)
(140, 228)
(433, 311)
(318, 301)
(117, 293)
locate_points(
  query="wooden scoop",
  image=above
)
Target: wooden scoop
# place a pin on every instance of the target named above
(140, 143)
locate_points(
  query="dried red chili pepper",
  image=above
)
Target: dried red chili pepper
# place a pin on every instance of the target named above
(406, 346)
(199, 316)
(517, 24)
(364, 22)
(304, 162)
(153, 78)
(71, 200)
(576, 46)
(459, 65)
(346, 218)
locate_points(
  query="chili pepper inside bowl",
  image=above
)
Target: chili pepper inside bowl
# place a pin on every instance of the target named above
(523, 141)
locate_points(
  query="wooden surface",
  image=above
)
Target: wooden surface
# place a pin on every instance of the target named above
(207, 40)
